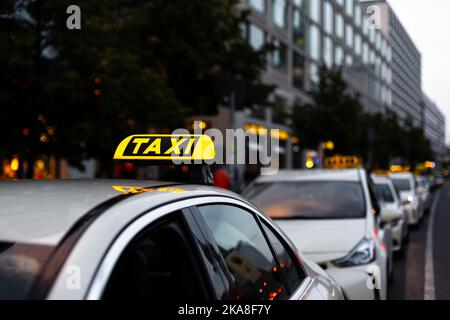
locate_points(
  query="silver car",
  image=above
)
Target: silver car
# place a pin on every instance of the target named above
(148, 240)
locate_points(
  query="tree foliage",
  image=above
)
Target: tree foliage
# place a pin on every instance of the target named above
(134, 64)
(336, 114)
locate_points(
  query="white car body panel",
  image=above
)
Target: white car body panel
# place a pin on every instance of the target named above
(312, 236)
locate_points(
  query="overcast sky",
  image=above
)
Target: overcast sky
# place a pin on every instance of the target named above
(428, 24)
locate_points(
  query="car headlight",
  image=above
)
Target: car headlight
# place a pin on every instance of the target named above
(409, 201)
(362, 254)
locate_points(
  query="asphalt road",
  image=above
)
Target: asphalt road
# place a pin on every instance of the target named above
(422, 270)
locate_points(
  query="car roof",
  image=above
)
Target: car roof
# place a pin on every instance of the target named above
(380, 179)
(402, 175)
(312, 175)
(44, 211)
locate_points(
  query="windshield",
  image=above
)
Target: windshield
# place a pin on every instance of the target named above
(402, 184)
(384, 192)
(20, 265)
(309, 200)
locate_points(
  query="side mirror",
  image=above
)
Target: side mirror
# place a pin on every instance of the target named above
(390, 214)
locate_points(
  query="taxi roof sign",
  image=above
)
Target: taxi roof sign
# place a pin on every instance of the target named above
(342, 162)
(166, 148)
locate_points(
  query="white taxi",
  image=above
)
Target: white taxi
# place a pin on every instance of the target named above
(393, 212)
(332, 216)
(405, 184)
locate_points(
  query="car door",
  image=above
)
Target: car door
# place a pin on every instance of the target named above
(161, 262)
(259, 264)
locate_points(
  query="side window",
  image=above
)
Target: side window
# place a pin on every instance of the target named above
(373, 197)
(289, 264)
(158, 264)
(246, 253)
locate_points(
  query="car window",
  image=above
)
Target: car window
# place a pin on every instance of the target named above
(21, 265)
(288, 262)
(402, 184)
(246, 252)
(309, 199)
(384, 192)
(159, 264)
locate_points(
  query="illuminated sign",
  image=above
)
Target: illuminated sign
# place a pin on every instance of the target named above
(342, 162)
(154, 147)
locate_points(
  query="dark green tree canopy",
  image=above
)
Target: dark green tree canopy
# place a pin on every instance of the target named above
(337, 115)
(134, 64)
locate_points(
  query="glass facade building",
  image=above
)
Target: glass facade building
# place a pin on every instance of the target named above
(434, 127)
(405, 63)
(307, 34)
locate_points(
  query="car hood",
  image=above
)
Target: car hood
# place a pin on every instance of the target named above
(324, 240)
(405, 194)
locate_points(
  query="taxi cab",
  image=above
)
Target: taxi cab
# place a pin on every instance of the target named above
(393, 212)
(150, 240)
(333, 217)
(406, 185)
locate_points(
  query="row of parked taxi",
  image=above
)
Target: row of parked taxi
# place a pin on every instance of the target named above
(349, 222)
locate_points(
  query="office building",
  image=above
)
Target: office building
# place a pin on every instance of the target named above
(405, 64)
(434, 127)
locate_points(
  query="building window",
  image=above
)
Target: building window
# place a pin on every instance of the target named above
(314, 77)
(349, 35)
(299, 3)
(328, 15)
(258, 5)
(256, 37)
(365, 53)
(349, 7)
(372, 58)
(358, 49)
(339, 25)
(328, 52)
(349, 60)
(298, 28)
(314, 42)
(338, 56)
(279, 59)
(365, 26)
(389, 53)
(279, 11)
(372, 35)
(298, 72)
(358, 17)
(378, 41)
(314, 10)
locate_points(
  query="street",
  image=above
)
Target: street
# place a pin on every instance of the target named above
(420, 262)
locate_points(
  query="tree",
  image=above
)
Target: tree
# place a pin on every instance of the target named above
(134, 64)
(334, 115)
(337, 115)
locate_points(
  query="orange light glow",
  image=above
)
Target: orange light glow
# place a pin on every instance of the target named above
(14, 164)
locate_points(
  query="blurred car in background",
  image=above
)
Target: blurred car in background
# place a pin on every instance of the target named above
(405, 184)
(333, 217)
(393, 212)
(438, 182)
(423, 192)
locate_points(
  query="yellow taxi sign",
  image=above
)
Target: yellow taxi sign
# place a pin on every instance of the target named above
(342, 162)
(166, 147)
